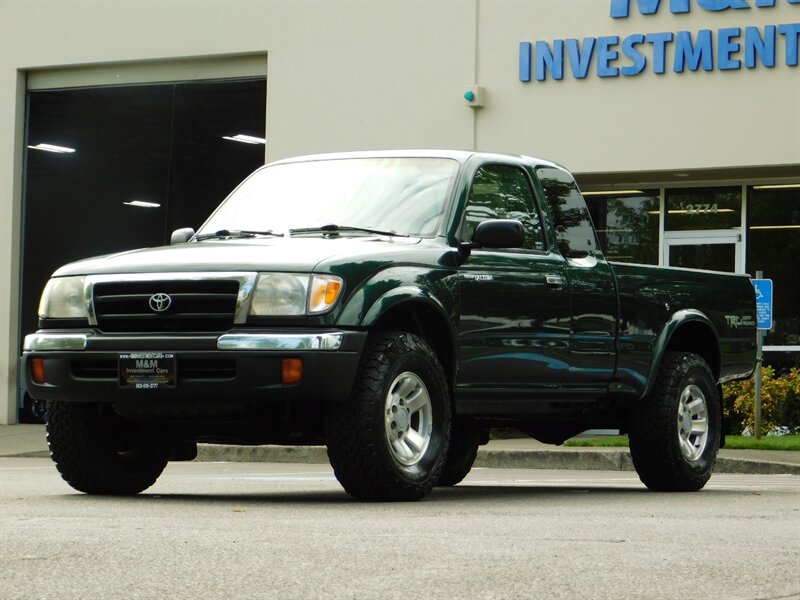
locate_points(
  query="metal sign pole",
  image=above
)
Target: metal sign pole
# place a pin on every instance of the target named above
(757, 402)
(757, 391)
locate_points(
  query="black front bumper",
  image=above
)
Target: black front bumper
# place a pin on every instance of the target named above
(242, 366)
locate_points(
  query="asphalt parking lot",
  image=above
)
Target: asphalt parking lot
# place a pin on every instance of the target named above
(264, 530)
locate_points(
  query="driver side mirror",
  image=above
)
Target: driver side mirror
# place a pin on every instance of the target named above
(181, 236)
(499, 233)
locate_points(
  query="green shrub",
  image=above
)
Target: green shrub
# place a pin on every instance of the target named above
(780, 402)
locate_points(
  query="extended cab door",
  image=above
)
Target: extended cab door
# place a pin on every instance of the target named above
(513, 331)
(592, 288)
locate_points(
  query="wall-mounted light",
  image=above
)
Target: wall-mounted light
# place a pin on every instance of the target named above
(475, 96)
(245, 139)
(142, 204)
(53, 148)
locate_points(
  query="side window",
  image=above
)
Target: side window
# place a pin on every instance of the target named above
(503, 192)
(574, 231)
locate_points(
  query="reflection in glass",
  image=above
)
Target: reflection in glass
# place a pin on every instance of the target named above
(401, 195)
(773, 245)
(503, 192)
(627, 226)
(703, 208)
(574, 230)
(712, 257)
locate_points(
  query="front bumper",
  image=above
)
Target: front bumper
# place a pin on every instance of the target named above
(241, 366)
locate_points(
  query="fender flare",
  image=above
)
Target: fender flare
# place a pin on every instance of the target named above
(401, 295)
(678, 320)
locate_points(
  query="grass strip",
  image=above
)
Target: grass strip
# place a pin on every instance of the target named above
(732, 442)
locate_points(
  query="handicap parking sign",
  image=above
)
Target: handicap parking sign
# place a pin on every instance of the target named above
(763, 290)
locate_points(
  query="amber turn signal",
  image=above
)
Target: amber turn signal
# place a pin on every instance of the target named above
(291, 370)
(37, 370)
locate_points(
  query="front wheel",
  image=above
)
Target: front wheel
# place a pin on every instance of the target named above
(465, 439)
(97, 452)
(389, 442)
(675, 431)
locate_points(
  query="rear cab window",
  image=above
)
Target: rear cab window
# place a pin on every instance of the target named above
(575, 234)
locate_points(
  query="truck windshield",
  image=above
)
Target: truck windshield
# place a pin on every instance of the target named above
(404, 196)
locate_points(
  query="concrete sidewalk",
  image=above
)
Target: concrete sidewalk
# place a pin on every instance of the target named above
(29, 441)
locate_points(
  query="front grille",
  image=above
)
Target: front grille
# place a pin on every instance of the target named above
(196, 306)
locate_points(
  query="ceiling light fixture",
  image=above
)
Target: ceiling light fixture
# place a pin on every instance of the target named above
(693, 212)
(775, 227)
(613, 192)
(777, 186)
(53, 148)
(245, 139)
(142, 204)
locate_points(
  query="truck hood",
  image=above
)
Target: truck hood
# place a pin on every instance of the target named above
(297, 254)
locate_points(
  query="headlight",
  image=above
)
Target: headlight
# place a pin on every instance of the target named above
(278, 294)
(287, 294)
(63, 298)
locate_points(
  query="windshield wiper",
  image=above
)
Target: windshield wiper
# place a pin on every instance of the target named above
(235, 233)
(333, 228)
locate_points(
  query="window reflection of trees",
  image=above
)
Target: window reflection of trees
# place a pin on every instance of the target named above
(627, 227)
(574, 230)
(703, 208)
(503, 192)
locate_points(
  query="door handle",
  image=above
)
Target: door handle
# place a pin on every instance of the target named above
(555, 282)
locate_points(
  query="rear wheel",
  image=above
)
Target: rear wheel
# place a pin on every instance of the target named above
(97, 452)
(389, 442)
(675, 431)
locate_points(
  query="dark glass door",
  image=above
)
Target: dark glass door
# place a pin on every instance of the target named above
(713, 257)
(116, 168)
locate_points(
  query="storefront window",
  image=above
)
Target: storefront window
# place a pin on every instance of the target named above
(703, 208)
(627, 224)
(773, 246)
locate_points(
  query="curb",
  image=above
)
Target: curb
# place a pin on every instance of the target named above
(568, 460)
(583, 460)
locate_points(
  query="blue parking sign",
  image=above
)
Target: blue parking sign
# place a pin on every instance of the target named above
(763, 290)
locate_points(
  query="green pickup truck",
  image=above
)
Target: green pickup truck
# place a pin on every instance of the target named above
(393, 306)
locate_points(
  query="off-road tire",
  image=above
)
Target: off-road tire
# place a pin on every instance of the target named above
(358, 431)
(461, 455)
(660, 426)
(97, 452)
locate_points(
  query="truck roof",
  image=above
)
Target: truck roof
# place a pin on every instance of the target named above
(461, 156)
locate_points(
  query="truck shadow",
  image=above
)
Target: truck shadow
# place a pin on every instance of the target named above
(458, 494)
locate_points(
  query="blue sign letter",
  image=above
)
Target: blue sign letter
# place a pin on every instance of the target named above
(621, 8)
(554, 60)
(715, 5)
(605, 55)
(692, 55)
(755, 44)
(659, 41)
(629, 50)
(790, 32)
(580, 57)
(726, 46)
(524, 61)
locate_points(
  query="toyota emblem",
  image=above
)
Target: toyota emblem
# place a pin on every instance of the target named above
(160, 302)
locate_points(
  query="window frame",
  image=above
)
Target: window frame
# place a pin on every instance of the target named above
(534, 209)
